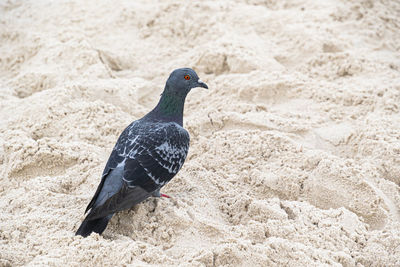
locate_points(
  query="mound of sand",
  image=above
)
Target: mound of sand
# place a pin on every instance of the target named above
(295, 149)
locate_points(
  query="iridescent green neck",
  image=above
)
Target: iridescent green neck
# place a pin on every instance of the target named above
(169, 108)
(171, 105)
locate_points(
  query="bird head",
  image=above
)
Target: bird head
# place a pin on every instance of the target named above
(181, 81)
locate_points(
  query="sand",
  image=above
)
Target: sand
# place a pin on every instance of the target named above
(295, 148)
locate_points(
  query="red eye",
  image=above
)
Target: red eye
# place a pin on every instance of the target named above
(187, 77)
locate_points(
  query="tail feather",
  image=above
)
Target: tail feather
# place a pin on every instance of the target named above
(97, 225)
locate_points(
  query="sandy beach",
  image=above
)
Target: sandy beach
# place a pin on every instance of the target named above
(295, 149)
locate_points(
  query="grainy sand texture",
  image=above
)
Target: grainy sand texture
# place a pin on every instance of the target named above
(295, 148)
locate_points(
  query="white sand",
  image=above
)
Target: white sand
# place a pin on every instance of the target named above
(295, 149)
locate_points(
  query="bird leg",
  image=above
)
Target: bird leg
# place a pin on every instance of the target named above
(158, 194)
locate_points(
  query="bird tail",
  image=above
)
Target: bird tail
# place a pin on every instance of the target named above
(89, 226)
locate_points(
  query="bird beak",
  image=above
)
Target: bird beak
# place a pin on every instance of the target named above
(200, 83)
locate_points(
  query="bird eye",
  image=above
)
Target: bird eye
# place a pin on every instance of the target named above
(187, 77)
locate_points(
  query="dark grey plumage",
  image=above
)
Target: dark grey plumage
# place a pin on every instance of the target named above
(147, 155)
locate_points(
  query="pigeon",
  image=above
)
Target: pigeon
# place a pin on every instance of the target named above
(147, 155)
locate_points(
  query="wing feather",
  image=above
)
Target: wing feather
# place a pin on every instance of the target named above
(152, 155)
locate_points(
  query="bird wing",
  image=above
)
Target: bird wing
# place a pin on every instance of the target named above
(158, 158)
(112, 163)
(146, 156)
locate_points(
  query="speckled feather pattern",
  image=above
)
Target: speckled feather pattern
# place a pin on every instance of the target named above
(167, 144)
(151, 153)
